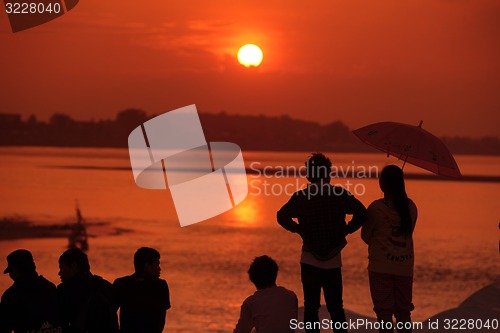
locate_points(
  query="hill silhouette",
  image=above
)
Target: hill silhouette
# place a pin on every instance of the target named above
(249, 132)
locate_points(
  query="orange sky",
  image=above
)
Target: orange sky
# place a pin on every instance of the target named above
(354, 60)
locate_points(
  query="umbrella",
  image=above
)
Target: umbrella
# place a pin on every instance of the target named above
(412, 144)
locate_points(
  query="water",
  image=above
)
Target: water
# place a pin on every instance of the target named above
(456, 238)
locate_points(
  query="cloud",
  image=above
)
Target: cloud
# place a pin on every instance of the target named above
(197, 45)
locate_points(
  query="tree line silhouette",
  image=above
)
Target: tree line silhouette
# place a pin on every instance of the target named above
(249, 132)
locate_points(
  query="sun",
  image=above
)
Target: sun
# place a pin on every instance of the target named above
(250, 55)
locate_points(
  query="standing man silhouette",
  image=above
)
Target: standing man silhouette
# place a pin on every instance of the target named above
(321, 211)
(143, 297)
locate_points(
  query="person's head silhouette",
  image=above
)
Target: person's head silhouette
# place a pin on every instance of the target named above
(20, 264)
(392, 181)
(263, 272)
(73, 262)
(318, 168)
(147, 261)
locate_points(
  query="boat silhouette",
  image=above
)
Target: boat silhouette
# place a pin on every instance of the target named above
(78, 238)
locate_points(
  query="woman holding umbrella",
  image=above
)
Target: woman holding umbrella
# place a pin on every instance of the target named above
(388, 232)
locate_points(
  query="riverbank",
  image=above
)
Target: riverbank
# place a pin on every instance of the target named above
(480, 312)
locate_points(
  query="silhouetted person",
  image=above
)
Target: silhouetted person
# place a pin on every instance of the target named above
(30, 304)
(143, 297)
(321, 212)
(86, 300)
(271, 308)
(388, 232)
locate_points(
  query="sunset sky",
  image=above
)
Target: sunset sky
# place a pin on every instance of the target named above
(357, 61)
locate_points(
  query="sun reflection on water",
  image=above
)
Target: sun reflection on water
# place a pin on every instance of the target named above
(247, 212)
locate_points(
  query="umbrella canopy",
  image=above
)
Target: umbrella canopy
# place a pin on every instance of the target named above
(412, 144)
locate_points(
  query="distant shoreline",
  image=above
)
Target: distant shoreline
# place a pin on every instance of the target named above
(12, 228)
(19, 228)
(368, 150)
(280, 172)
(250, 132)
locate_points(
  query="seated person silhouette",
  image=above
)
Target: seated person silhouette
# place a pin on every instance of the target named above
(271, 308)
(86, 300)
(30, 304)
(143, 297)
